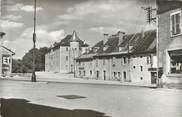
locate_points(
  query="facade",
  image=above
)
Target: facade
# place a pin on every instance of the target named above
(170, 40)
(6, 61)
(61, 57)
(120, 57)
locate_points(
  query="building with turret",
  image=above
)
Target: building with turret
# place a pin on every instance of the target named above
(61, 57)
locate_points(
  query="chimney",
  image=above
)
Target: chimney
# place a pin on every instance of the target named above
(106, 36)
(121, 37)
(142, 33)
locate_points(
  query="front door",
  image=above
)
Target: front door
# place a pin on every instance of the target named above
(104, 75)
(124, 76)
(153, 77)
(97, 74)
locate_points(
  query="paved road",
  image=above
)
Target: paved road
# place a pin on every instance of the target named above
(98, 100)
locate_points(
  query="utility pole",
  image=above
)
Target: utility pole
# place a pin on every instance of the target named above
(34, 41)
(149, 13)
(3, 7)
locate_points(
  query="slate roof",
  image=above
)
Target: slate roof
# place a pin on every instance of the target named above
(66, 41)
(167, 5)
(140, 43)
(146, 43)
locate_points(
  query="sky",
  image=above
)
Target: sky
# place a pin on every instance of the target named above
(58, 18)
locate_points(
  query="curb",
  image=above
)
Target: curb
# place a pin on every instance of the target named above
(87, 82)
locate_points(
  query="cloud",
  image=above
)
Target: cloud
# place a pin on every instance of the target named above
(25, 8)
(68, 17)
(99, 8)
(7, 24)
(43, 35)
(55, 23)
(102, 29)
(44, 38)
(5, 43)
(56, 35)
(13, 17)
(30, 8)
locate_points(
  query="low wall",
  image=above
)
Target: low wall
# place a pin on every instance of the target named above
(21, 74)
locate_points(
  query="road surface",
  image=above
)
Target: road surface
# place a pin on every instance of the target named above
(87, 100)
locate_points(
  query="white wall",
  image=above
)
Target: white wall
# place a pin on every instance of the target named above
(137, 75)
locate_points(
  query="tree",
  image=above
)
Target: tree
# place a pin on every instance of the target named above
(25, 65)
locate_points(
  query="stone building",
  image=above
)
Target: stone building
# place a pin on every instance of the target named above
(61, 57)
(121, 57)
(170, 40)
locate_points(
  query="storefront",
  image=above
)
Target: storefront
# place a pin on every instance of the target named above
(175, 61)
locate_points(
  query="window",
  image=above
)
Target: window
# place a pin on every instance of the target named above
(84, 73)
(175, 23)
(115, 74)
(91, 63)
(113, 61)
(66, 58)
(124, 60)
(149, 60)
(66, 48)
(104, 61)
(90, 72)
(141, 68)
(119, 74)
(66, 67)
(175, 61)
(96, 63)
(134, 67)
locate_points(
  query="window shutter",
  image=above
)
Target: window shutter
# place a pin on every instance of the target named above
(178, 18)
(172, 24)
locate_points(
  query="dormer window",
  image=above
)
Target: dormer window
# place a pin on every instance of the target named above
(95, 49)
(105, 48)
(175, 23)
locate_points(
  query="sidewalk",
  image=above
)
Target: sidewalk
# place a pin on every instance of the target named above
(69, 78)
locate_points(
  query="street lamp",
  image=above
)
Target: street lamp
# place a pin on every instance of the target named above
(34, 41)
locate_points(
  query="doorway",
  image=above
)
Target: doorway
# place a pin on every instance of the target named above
(124, 76)
(153, 77)
(104, 75)
(97, 74)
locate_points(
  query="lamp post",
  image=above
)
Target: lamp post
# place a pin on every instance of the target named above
(34, 41)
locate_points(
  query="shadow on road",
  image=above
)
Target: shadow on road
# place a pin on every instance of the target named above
(22, 108)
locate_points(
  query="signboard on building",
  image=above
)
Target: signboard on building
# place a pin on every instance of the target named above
(6, 60)
(6, 64)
